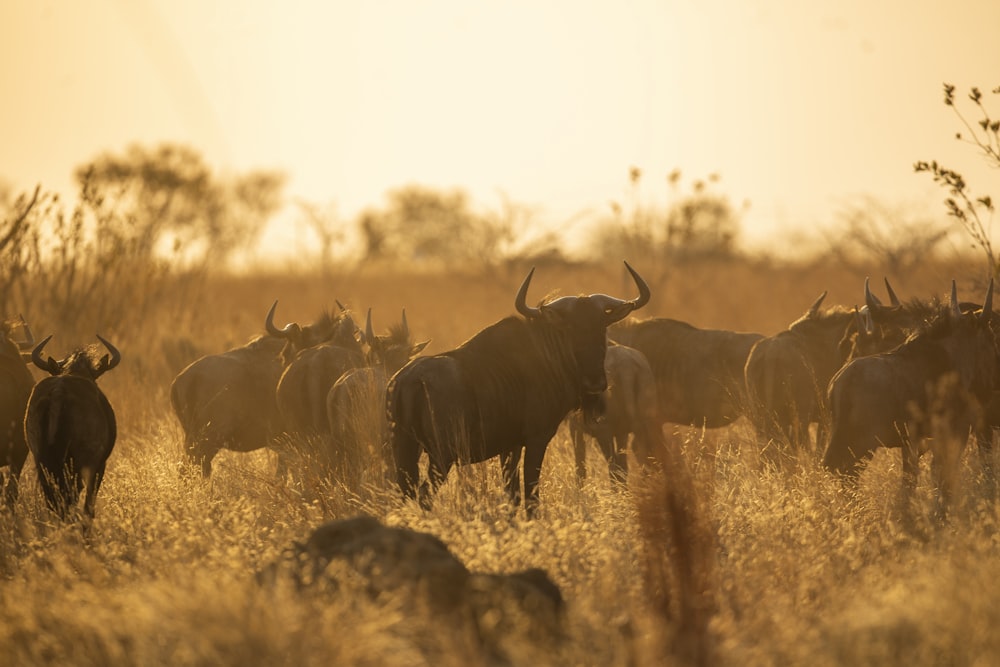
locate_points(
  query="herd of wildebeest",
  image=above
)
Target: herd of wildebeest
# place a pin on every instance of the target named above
(917, 375)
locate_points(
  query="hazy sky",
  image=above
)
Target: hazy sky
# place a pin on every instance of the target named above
(799, 106)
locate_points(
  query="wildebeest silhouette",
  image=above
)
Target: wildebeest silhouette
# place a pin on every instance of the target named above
(506, 388)
(70, 427)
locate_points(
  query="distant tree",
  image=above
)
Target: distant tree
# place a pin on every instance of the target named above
(870, 232)
(169, 196)
(79, 268)
(696, 224)
(974, 214)
(14, 260)
(421, 225)
(328, 227)
(701, 224)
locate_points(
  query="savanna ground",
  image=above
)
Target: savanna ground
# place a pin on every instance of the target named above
(797, 570)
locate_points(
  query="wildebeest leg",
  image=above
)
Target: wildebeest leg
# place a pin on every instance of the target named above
(579, 453)
(59, 486)
(437, 473)
(822, 435)
(92, 481)
(618, 457)
(200, 453)
(510, 464)
(984, 441)
(407, 468)
(911, 470)
(534, 453)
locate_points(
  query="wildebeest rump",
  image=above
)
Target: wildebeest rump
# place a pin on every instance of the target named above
(508, 387)
(227, 400)
(787, 374)
(355, 404)
(70, 427)
(699, 372)
(311, 369)
(944, 373)
(15, 387)
(628, 406)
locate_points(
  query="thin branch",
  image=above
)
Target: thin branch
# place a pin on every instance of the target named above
(15, 227)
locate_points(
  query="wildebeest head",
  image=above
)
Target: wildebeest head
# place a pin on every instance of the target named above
(12, 348)
(978, 370)
(390, 351)
(80, 362)
(584, 320)
(339, 330)
(863, 336)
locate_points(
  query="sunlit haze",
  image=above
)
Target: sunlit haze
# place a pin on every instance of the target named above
(798, 106)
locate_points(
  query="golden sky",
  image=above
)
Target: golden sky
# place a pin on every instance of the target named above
(799, 106)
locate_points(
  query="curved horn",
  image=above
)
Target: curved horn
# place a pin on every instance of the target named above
(51, 366)
(987, 313)
(343, 309)
(953, 304)
(522, 293)
(269, 323)
(870, 299)
(813, 309)
(644, 294)
(406, 327)
(116, 356)
(893, 301)
(369, 332)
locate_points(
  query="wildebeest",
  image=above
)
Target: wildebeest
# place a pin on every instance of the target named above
(400, 566)
(943, 374)
(15, 387)
(227, 400)
(628, 406)
(507, 387)
(787, 374)
(356, 402)
(70, 427)
(699, 372)
(311, 368)
(896, 321)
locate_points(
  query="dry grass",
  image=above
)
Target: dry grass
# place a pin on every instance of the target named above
(748, 565)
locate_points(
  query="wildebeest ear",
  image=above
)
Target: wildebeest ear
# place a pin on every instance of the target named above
(52, 367)
(417, 348)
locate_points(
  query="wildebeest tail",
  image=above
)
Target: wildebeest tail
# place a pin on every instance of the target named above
(406, 407)
(642, 399)
(181, 408)
(52, 450)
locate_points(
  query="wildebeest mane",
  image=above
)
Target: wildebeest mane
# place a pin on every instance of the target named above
(501, 361)
(81, 361)
(820, 319)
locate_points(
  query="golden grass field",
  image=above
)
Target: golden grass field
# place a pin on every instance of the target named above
(791, 568)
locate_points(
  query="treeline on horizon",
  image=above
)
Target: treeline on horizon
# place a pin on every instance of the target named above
(166, 206)
(164, 210)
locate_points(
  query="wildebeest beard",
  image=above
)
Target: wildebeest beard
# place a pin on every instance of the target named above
(592, 407)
